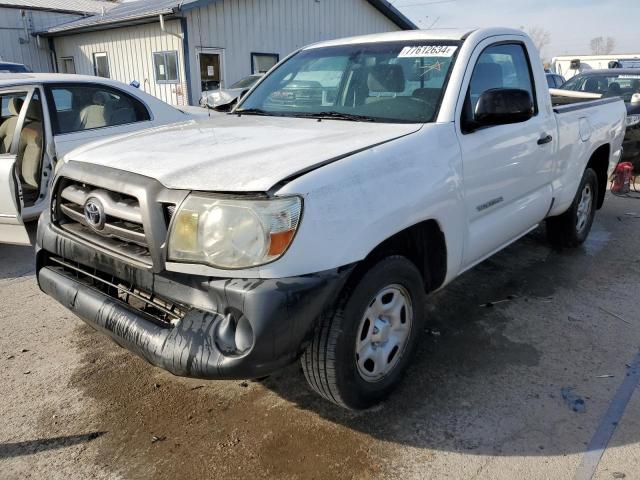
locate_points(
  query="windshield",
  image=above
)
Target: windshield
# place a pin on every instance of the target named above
(400, 82)
(13, 68)
(246, 82)
(623, 85)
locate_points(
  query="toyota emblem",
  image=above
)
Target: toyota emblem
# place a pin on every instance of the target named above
(94, 214)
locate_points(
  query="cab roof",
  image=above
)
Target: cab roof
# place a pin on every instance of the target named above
(611, 71)
(447, 34)
(30, 78)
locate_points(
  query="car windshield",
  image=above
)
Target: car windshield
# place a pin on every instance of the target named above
(623, 85)
(399, 82)
(13, 68)
(246, 82)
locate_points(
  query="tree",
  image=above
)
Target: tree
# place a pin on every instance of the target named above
(602, 45)
(541, 37)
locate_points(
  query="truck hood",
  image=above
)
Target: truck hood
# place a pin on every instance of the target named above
(228, 153)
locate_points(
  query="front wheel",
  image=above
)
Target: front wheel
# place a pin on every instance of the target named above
(361, 350)
(572, 228)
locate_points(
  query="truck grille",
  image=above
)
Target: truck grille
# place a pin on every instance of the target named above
(161, 311)
(102, 216)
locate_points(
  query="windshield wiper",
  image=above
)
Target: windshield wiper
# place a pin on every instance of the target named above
(333, 115)
(252, 111)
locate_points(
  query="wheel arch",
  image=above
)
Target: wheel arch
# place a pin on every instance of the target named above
(599, 162)
(424, 244)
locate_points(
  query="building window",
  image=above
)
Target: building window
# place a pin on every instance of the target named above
(101, 65)
(263, 62)
(166, 66)
(68, 65)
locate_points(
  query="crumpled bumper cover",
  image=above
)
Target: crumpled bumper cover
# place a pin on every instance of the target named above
(282, 313)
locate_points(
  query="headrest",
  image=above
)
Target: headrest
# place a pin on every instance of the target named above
(34, 112)
(100, 98)
(486, 76)
(386, 78)
(615, 88)
(15, 105)
(592, 85)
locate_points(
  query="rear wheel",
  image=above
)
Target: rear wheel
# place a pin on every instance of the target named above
(572, 228)
(359, 352)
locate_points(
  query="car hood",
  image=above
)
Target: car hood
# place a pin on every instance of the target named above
(231, 153)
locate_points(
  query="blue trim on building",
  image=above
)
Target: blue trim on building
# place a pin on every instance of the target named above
(187, 57)
(54, 55)
(194, 4)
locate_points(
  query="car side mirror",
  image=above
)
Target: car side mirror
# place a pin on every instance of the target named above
(503, 106)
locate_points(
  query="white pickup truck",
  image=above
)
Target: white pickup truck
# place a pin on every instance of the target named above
(355, 178)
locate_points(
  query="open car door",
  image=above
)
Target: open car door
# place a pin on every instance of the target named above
(14, 108)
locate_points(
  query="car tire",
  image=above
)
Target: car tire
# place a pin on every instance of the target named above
(382, 316)
(572, 228)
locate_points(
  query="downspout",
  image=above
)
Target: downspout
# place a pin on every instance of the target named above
(52, 48)
(164, 30)
(185, 49)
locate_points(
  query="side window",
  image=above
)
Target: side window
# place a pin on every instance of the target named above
(500, 66)
(85, 107)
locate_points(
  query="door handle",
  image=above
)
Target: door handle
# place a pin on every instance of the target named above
(544, 140)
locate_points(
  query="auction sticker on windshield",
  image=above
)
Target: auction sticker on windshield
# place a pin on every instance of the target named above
(428, 51)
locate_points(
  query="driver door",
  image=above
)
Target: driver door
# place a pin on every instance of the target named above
(14, 105)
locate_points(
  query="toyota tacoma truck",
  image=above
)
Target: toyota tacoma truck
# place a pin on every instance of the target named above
(311, 223)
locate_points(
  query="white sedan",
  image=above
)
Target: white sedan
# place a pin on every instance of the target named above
(43, 117)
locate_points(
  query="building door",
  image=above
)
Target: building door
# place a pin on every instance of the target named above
(101, 65)
(210, 64)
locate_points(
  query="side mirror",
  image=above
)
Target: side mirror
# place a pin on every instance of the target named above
(502, 106)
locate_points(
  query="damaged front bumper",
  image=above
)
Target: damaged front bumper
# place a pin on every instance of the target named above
(193, 326)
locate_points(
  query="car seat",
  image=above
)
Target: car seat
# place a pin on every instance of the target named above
(94, 115)
(8, 127)
(30, 148)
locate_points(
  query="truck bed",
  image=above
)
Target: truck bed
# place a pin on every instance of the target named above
(567, 100)
(582, 104)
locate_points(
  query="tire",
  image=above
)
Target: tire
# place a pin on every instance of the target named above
(572, 228)
(331, 365)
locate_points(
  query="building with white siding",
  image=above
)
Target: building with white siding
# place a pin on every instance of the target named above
(175, 49)
(21, 19)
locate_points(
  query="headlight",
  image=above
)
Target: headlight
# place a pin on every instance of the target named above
(233, 233)
(633, 120)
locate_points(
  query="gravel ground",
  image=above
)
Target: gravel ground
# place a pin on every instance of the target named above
(483, 399)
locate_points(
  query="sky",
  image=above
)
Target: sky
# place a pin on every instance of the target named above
(571, 23)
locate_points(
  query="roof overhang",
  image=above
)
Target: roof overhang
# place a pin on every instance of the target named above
(48, 9)
(132, 22)
(393, 14)
(82, 26)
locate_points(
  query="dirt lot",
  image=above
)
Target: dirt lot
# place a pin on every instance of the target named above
(484, 398)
